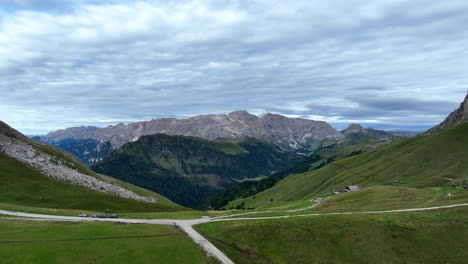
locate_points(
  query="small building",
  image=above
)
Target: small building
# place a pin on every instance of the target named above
(352, 188)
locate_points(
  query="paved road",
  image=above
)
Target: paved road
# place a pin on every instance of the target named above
(186, 225)
(342, 213)
(283, 211)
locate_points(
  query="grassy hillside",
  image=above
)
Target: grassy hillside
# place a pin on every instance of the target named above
(388, 198)
(325, 152)
(188, 170)
(377, 198)
(438, 236)
(98, 244)
(414, 161)
(23, 185)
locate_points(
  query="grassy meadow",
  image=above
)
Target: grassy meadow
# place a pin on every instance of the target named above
(438, 236)
(58, 242)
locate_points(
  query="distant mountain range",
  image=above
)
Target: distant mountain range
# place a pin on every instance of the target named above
(277, 129)
(403, 133)
(92, 144)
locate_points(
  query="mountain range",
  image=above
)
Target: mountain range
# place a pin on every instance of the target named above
(272, 128)
(92, 144)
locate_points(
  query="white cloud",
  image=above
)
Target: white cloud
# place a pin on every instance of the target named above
(89, 61)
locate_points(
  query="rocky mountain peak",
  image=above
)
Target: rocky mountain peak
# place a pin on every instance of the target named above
(353, 128)
(356, 129)
(241, 115)
(456, 117)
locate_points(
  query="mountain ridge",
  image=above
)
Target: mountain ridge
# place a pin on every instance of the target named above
(458, 116)
(356, 129)
(56, 163)
(273, 128)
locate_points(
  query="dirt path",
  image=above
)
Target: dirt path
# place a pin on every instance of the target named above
(342, 213)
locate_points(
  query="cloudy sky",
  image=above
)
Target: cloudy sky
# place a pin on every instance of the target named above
(383, 63)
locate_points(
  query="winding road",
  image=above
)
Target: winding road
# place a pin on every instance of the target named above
(186, 225)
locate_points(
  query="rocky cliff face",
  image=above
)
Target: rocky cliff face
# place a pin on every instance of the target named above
(55, 163)
(280, 130)
(456, 117)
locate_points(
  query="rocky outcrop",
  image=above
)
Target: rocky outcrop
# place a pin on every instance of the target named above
(16, 145)
(280, 130)
(456, 117)
(356, 129)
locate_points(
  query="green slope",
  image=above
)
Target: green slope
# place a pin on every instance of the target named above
(23, 185)
(438, 236)
(414, 161)
(377, 198)
(188, 170)
(325, 152)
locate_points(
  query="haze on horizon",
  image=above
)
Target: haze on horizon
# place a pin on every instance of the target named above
(385, 63)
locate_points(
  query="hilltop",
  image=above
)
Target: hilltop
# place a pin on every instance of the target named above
(35, 174)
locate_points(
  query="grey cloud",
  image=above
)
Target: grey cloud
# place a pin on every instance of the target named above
(402, 104)
(132, 60)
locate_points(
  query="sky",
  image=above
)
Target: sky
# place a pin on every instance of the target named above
(385, 64)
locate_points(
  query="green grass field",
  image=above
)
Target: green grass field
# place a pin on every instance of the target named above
(23, 185)
(414, 161)
(438, 236)
(388, 198)
(174, 248)
(381, 198)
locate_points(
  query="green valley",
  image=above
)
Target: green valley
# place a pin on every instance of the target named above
(189, 170)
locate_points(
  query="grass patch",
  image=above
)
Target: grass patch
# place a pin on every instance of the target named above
(176, 248)
(437, 236)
